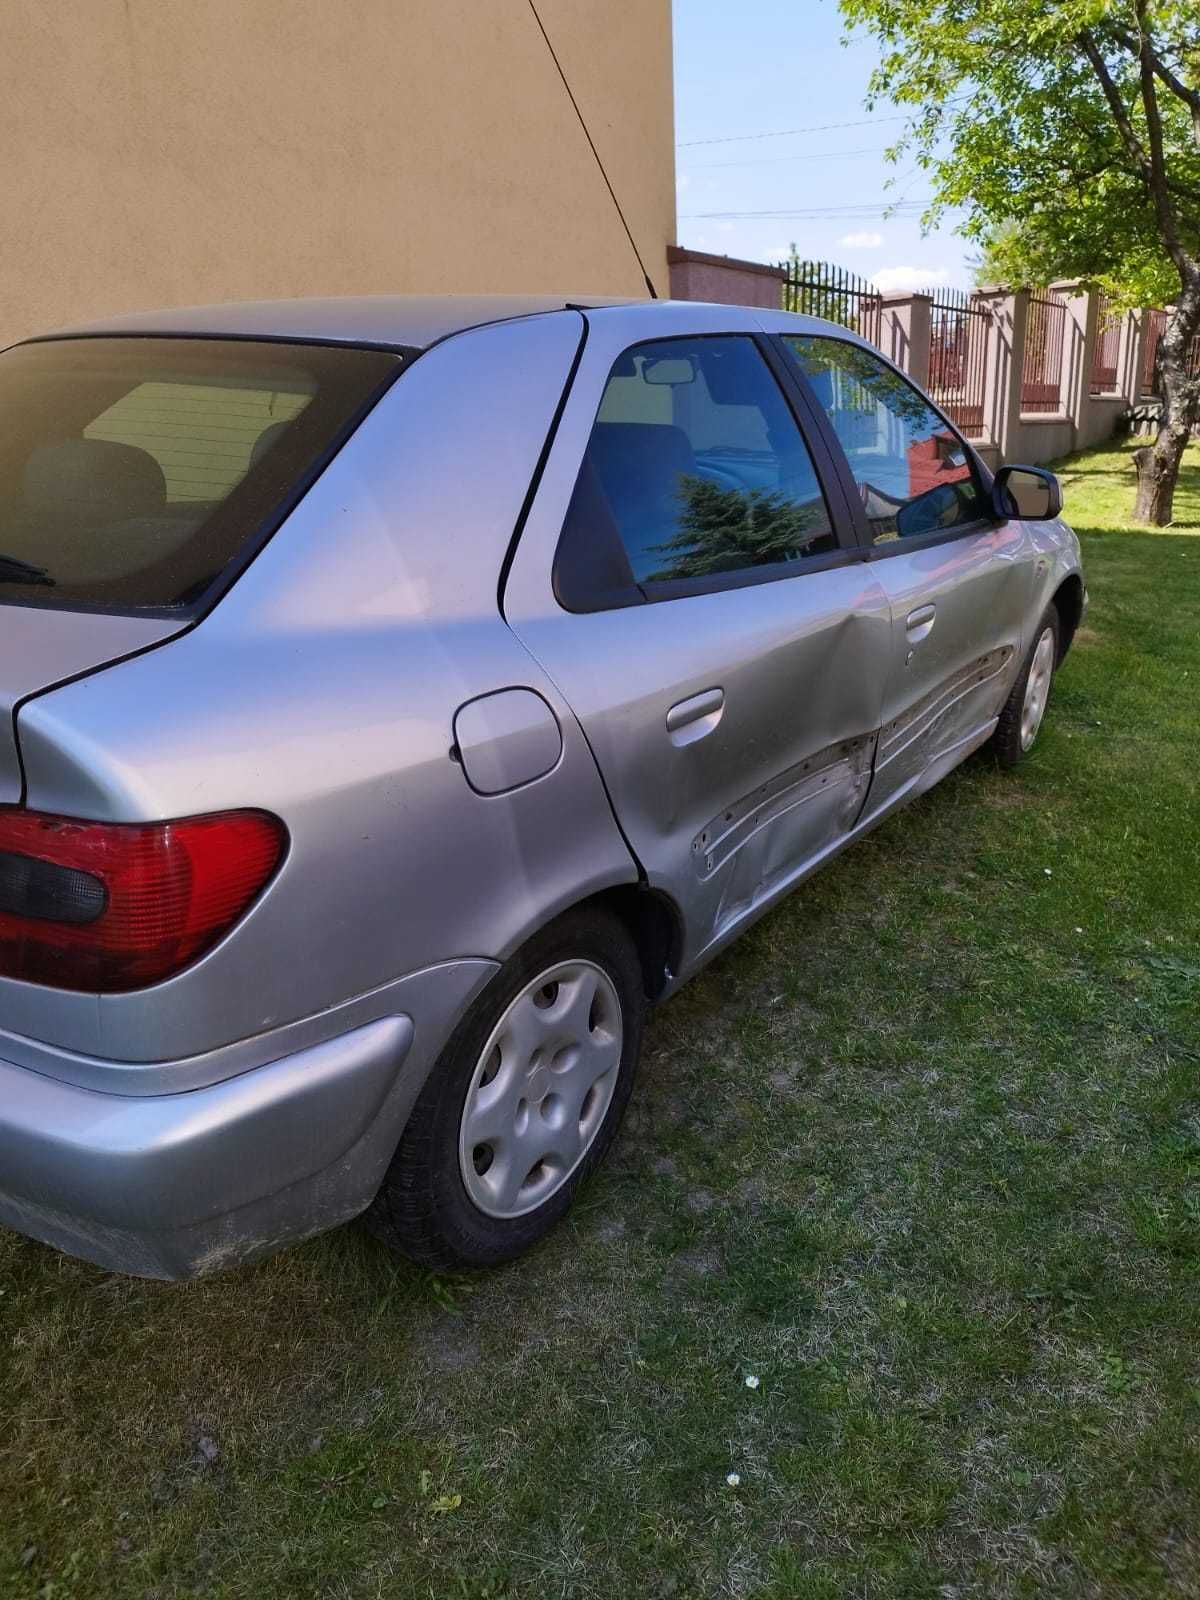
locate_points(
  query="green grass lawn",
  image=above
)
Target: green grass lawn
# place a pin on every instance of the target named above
(921, 1155)
(1099, 488)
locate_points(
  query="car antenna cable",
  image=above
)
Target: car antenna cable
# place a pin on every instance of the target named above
(595, 152)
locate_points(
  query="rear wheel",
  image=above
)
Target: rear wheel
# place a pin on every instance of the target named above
(1021, 719)
(523, 1103)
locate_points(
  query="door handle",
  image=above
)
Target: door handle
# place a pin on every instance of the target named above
(692, 718)
(919, 622)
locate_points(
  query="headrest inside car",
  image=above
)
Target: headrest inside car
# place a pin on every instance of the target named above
(267, 440)
(92, 480)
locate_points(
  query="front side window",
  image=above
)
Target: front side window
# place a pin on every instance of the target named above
(695, 469)
(134, 470)
(912, 471)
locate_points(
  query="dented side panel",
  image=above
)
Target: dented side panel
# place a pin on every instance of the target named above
(757, 844)
(950, 711)
(718, 822)
(960, 615)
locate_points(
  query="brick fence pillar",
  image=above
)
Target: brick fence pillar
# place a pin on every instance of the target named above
(907, 321)
(1080, 326)
(1134, 333)
(1006, 357)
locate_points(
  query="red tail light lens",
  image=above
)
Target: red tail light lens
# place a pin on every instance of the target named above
(112, 906)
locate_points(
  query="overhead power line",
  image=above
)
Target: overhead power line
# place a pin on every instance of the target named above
(771, 161)
(787, 133)
(868, 208)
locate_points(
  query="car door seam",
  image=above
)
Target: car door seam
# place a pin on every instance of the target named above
(643, 878)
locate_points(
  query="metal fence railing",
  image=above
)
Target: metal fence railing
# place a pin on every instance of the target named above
(819, 289)
(1107, 351)
(962, 328)
(1041, 374)
(959, 325)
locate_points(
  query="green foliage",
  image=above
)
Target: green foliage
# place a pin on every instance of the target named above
(1013, 122)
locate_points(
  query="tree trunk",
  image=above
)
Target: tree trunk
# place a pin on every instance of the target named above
(1158, 463)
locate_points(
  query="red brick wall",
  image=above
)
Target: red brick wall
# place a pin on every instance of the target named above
(723, 279)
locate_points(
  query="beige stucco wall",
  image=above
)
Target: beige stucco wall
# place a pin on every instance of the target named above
(166, 152)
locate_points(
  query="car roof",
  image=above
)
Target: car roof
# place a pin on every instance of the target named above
(415, 322)
(411, 321)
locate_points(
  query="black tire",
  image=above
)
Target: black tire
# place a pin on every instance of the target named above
(1006, 743)
(423, 1209)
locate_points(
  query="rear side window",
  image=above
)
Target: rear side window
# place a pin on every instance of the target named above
(134, 471)
(913, 472)
(695, 470)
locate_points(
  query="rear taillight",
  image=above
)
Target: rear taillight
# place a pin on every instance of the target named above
(110, 906)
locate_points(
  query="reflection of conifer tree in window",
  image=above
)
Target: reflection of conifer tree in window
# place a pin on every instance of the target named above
(722, 528)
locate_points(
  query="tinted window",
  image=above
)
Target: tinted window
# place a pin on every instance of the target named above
(695, 467)
(132, 471)
(910, 466)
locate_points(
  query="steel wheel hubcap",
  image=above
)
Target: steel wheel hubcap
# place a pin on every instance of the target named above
(1037, 688)
(541, 1088)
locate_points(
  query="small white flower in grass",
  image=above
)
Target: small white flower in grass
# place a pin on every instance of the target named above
(1078, 930)
(752, 1382)
(1047, 871)
(733, 1479)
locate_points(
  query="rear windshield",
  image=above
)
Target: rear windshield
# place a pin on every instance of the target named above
(134, 472)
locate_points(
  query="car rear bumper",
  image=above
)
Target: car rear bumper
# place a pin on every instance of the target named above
(174, 1185)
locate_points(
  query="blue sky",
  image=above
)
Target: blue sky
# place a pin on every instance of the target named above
(757, 67)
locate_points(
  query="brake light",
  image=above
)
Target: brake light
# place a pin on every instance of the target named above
(113, 906)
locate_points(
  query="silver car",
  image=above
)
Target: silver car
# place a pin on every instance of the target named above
(400, 695)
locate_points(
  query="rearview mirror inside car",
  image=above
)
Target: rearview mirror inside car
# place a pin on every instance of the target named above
(669, 371)
(1030, 493)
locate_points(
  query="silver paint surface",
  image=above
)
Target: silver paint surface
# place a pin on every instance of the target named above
(455, 767)
(41, 646)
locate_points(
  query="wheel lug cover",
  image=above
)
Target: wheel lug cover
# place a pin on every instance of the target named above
(539, 1085)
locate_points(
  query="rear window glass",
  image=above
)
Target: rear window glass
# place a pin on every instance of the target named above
(133, 472)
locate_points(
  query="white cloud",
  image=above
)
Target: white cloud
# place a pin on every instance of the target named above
(682, 181)
(892, 278)
(863, 240)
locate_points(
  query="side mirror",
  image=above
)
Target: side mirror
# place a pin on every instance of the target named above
(1026, 492)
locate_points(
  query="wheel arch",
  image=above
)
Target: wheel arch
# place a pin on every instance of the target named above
(654, 924)
(1068, 602)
